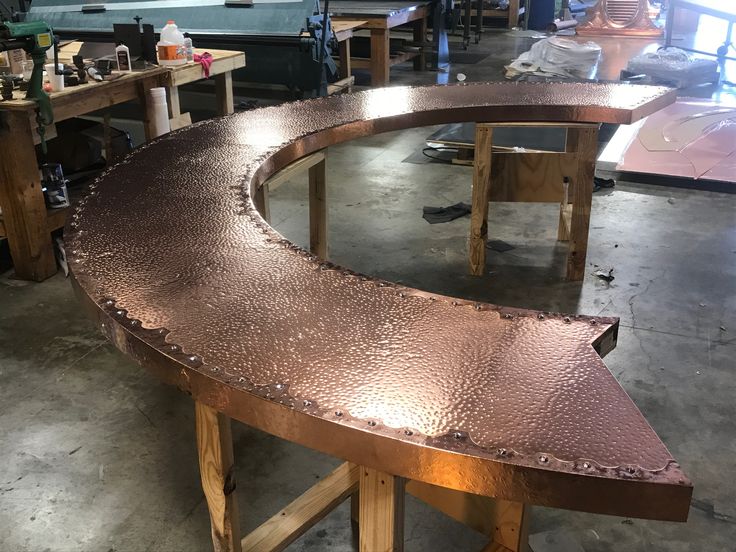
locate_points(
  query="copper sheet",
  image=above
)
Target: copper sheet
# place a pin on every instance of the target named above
(184, 275)
(691, 139)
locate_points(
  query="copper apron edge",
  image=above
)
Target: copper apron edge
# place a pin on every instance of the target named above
(452, 459)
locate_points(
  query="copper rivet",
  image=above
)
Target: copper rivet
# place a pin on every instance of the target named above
(543, 459)
(338, 413)
(408, 432)
(567, 319)
(307, 403)
(372, 423)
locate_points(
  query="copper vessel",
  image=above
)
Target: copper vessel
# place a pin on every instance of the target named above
(620, 18)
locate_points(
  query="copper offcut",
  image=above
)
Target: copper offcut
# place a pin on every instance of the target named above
(182, 273)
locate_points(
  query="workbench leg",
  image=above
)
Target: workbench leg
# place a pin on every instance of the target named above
(584, 141)
(381, 511)
(318, 209)
(172, 98)
(345, 65)
(513, 13)
(144, 86)
(420, 36)
(481, 197)
(478, 20)
(467, 22)
(21, 200)
(380, 60)
(224, 93)
(217, 470)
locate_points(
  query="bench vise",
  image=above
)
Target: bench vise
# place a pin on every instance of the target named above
(35, 37)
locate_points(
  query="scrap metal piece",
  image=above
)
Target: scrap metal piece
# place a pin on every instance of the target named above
(182, 273)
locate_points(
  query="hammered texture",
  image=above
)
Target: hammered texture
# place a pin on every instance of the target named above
(171, 235)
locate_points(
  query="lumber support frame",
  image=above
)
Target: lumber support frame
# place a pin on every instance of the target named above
(581, 148)
(303, 513)
(377, 503)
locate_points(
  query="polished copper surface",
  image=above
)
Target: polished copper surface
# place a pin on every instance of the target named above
(183, 274)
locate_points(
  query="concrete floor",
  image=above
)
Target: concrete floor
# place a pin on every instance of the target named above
(97, 455)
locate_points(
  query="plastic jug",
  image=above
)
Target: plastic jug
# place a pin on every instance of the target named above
(170, 48)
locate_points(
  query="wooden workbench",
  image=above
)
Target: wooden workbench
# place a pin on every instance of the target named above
(380, 18)
(224, 62)
(343, 30)
(25, 221)
(221, 70)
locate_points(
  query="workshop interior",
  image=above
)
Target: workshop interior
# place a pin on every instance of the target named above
(367, 275)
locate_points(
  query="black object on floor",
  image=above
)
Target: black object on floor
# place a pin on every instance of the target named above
(435, 215)
(499, 245)
(599, 183)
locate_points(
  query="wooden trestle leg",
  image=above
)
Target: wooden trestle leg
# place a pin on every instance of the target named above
(217, 470)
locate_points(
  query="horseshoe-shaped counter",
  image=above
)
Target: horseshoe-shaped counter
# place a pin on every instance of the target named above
(181, 272)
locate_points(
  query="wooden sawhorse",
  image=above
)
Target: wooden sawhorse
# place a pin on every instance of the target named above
(527, 176)
(548, 171)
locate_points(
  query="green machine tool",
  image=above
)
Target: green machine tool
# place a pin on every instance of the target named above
(35, 37)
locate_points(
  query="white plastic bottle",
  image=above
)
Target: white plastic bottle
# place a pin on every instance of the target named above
(188, 47)
(170, 48)
(122, 53)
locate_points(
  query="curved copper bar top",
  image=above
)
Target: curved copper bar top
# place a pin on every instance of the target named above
(184, 275)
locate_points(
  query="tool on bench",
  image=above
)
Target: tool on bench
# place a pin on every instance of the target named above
(35, 37)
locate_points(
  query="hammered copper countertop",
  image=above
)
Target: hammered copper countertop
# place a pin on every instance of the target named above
(186, 277)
